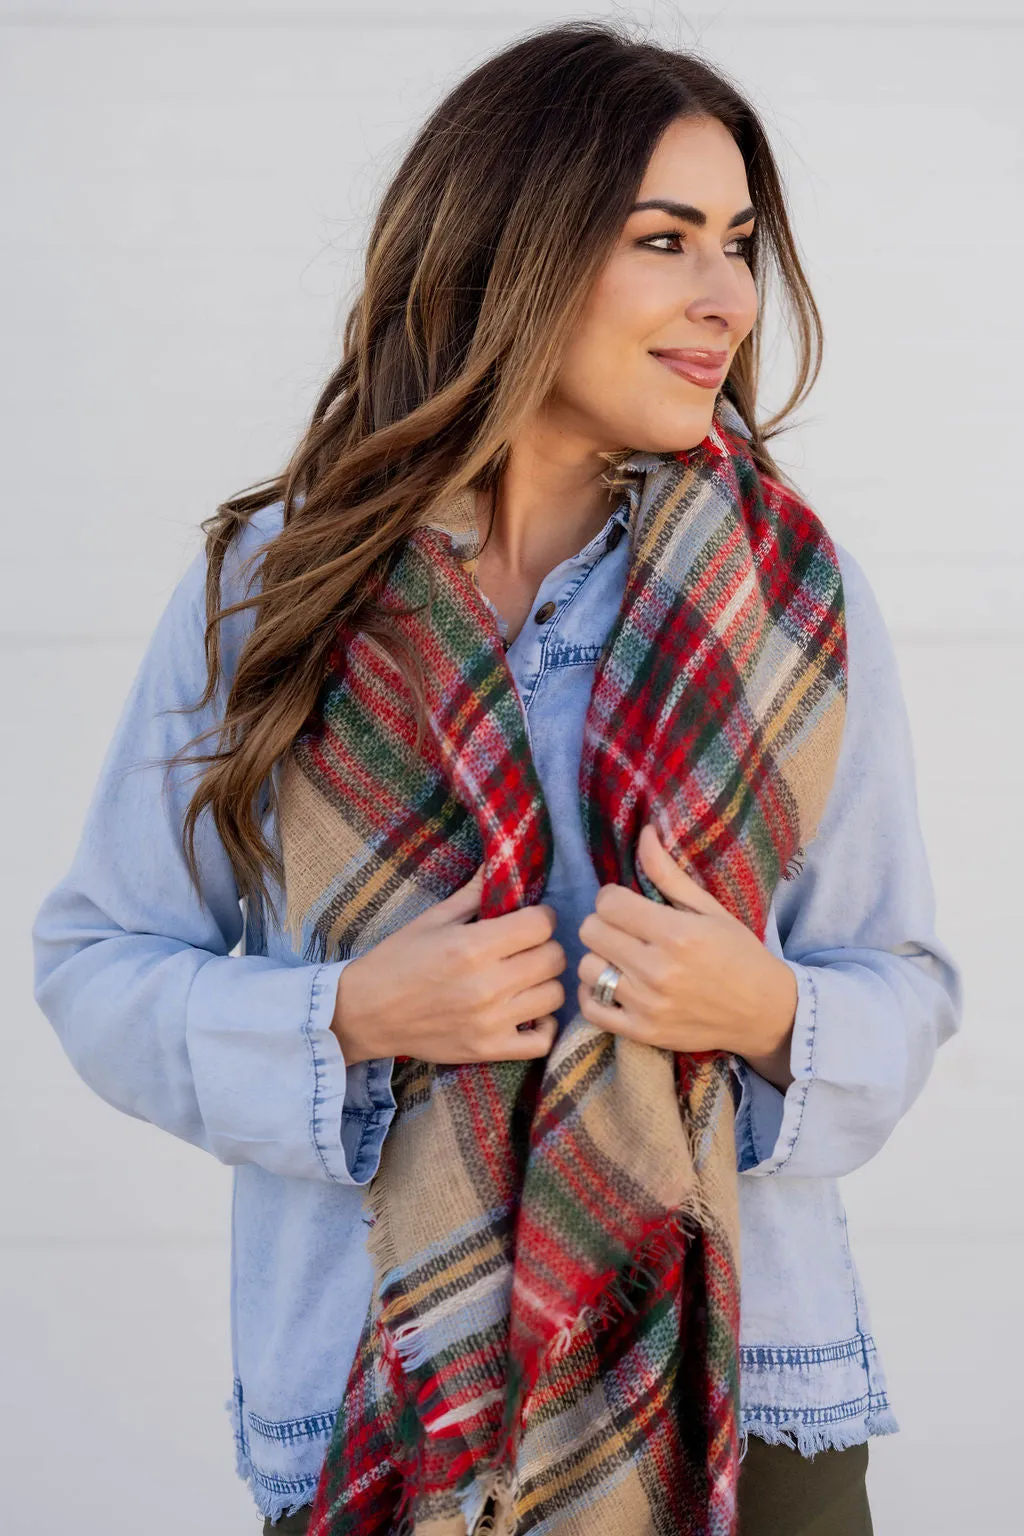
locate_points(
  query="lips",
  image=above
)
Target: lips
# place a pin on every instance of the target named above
(699, 365)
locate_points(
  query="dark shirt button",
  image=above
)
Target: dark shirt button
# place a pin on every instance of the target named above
(614, 537)
(544, 612)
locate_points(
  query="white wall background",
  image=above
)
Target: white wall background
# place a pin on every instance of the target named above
(185, 192)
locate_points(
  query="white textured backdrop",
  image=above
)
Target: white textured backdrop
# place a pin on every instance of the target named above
(185, 192)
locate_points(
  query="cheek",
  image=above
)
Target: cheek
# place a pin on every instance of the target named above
(621, 316)
(626, 310)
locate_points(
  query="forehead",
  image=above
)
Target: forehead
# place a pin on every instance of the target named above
(696, 160)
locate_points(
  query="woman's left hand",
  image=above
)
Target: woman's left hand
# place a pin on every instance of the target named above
(694, 978)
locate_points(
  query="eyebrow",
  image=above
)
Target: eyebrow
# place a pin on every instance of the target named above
(690, 215)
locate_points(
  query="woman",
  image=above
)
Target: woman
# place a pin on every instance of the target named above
(557, 759)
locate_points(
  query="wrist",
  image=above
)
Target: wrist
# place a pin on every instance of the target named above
(352, 1023)
(774, 1067)
(770, 1057)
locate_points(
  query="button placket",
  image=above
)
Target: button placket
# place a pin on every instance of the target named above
(530, 645)
(612, 540)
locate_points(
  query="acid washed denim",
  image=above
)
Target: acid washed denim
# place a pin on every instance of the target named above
(234, 1051)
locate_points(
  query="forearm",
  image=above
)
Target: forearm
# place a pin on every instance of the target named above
(234, 1054)
(866, 1030)
(134, 966)
(878, 992)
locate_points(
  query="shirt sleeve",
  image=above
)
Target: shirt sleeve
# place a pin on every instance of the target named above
(877, 991)
(231, 1052)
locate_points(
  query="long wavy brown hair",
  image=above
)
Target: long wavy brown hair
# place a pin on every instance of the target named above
(480, 260)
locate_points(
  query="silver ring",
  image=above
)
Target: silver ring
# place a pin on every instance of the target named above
(604, 986)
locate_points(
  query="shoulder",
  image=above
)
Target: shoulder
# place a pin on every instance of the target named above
(240, 578)
(871, 653)
(804, 524)
(798, 524)
(875, 720)
(797, 527)
(239, 575)
(876, 753)
(241, 569)
(178, 645)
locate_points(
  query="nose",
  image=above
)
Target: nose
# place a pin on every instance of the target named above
(727, 302)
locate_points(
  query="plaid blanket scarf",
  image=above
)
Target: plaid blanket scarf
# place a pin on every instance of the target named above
(551, 1343)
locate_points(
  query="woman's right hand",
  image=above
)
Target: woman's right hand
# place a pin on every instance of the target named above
(446, 989)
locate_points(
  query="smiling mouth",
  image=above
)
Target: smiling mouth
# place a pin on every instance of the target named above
(706, 369)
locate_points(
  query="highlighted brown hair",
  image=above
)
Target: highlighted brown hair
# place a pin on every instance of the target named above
(481, 257)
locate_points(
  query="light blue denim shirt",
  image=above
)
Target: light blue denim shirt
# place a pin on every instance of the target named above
(234, 1051)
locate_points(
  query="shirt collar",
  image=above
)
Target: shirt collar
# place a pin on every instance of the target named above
(621, 513)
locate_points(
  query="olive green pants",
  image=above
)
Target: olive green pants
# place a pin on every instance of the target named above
(781, 1493)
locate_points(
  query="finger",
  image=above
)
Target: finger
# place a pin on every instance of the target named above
(590, 968)
(652, 922)
(535, 1039)
(524, 928)
(461, 905)
(526, 1044)
(669, 873)
(533, 1003)
(607, 1016)
(623, 949)
(530, 967)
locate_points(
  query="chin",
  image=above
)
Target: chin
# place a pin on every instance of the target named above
(675, 436)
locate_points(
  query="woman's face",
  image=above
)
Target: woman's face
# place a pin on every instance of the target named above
(671, 284)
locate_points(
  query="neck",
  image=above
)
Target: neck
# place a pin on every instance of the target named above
(549, 502)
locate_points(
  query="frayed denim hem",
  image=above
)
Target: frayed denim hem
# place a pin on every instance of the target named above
(808, 1433)
(274, 1497)
(810, 1438)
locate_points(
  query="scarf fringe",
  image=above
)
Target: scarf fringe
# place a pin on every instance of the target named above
(608, 1303)
(609, 1299)
(500, 1519)
(380, 1243)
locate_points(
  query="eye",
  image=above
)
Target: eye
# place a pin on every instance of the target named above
(745, 242)
(671, 234)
